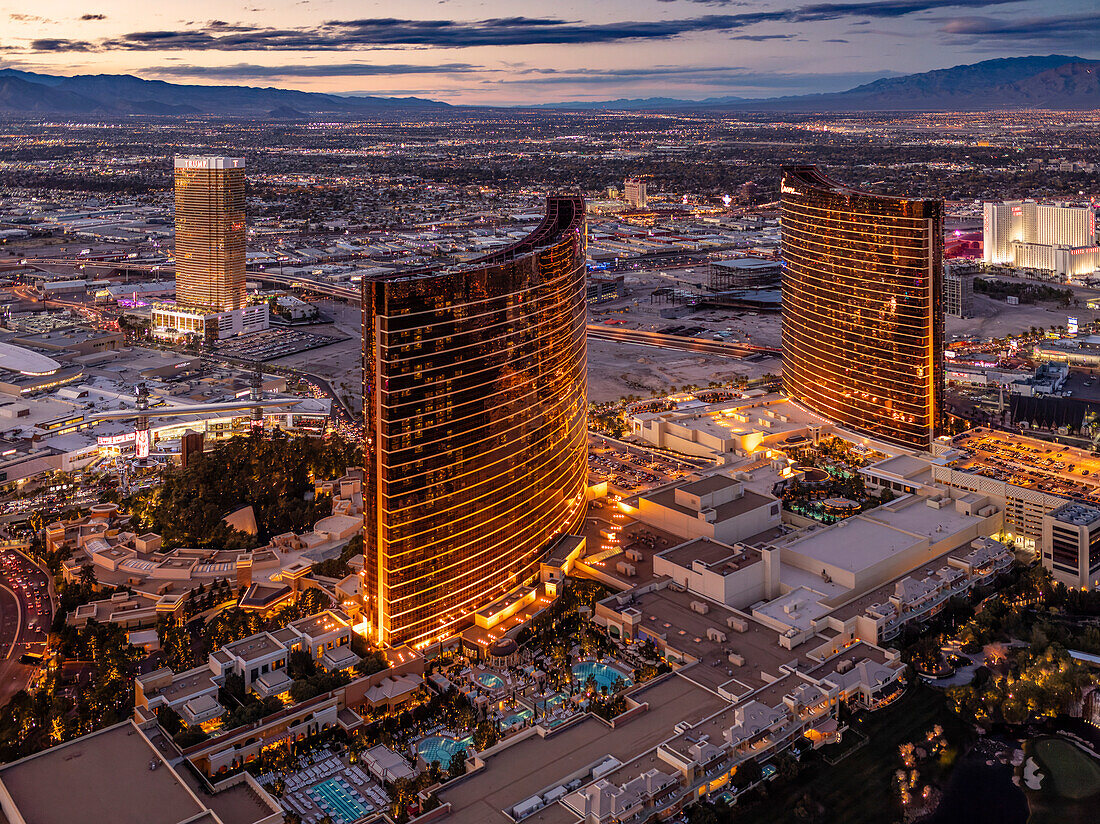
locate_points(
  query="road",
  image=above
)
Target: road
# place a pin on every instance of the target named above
(711, 347)
(619, 335)
(25, 616)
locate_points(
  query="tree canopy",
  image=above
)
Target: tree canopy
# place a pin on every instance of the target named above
(273, 474)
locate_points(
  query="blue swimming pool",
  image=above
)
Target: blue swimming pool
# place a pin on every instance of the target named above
(490, 680)
(606, 676)
(344, 805)
(442, 748)
(555, 700)
(517, 717)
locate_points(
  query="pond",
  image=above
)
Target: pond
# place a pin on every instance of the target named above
(979, 793)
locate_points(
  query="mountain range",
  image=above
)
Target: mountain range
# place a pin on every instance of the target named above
(1051, 82)
(31, 94)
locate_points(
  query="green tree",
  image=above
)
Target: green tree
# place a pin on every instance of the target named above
(458, 764)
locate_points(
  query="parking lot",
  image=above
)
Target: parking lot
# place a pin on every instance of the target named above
(628, 473)
(273, 343)
(1047, 467)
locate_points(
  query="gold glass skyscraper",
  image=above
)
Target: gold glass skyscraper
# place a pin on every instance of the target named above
(475, 404)
(862, 307)
(210, 232)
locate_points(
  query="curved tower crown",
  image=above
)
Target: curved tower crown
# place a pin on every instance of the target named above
(475, 399)
(862, 307)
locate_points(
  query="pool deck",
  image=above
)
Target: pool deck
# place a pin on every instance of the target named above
(523, 769)
(330, 791)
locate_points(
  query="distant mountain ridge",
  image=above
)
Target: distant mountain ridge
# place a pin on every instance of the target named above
(1051, 82)
(27, 93)
(627, 104)
(1055, 82)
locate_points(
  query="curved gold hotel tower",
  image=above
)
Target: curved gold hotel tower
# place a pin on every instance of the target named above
(210, 232)
(862, 307)
(475, 402)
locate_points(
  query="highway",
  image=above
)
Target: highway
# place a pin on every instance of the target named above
(25, 616)
(641, 337)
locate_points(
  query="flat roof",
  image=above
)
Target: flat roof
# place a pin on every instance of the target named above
(747, 263)
(711, 553)
(905, 467)
(798, 608)
(1029, 463)
(708, 484)
(254, 646)
(525, 768)
(1076, 514)
(320, 624)
(668, 612)
(101, 777)
(747, 502)
(25, 362)
(864, 540)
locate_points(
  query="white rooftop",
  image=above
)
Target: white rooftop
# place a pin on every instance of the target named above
(17, 359)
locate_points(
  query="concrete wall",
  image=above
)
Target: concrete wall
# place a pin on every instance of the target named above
(736, 589)
(688, 526)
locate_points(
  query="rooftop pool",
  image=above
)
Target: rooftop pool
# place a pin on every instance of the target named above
(441, 748)
(489, 680)
(605, 674)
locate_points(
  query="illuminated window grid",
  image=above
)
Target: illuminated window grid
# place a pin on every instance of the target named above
(488, 536)
(862, 333)
(210, 237)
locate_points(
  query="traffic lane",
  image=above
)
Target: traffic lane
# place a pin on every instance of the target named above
(31, 586)
(25, 615)
(14, 676)
(10, 621)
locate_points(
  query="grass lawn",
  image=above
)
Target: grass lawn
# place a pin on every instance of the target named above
(860, 788)
(1072, 773)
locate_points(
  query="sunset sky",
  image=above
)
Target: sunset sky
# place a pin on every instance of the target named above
(521, 51)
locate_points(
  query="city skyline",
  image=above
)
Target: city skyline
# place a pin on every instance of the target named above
(509, 53)
(371, 460)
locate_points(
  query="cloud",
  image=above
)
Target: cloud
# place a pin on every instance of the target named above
(731, 79)
(93, 17)
(53, 44)
(28, 18)
(250, 70)
(388, 32)
(1055, 28)
(829, 11)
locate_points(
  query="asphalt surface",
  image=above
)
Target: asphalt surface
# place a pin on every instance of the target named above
(644, 338)
(25, 615)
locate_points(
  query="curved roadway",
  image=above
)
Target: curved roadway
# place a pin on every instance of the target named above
(25, 615)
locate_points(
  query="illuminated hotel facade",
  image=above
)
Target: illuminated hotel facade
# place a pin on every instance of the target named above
(209, 254)
(476, 447)
(210, 232)
(1030, 235)
(863, 307)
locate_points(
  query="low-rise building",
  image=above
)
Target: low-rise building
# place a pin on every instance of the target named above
(118, 774)
(715, 506)
(728, 430)
(1071, 545)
